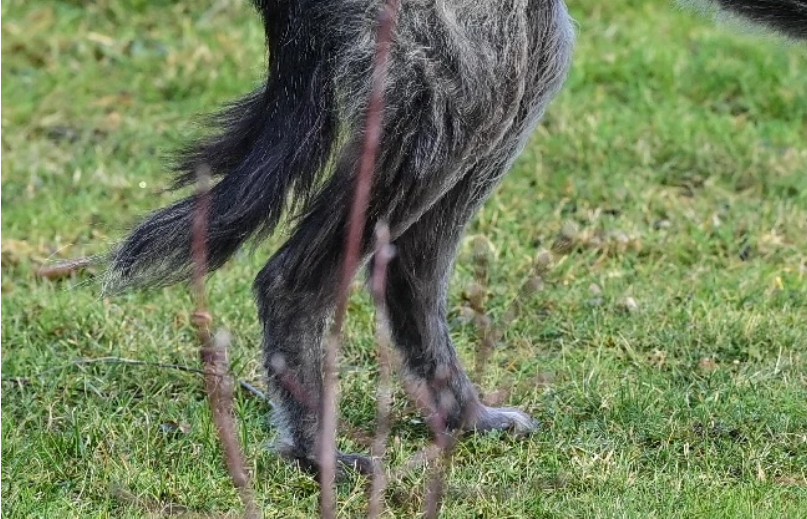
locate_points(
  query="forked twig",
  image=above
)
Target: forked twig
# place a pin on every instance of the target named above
(213, 352)
(356, 226)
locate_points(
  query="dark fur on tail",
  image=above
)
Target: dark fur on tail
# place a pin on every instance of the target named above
(271, 147)
(786, 16)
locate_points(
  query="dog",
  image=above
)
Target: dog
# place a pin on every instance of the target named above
(468, 81)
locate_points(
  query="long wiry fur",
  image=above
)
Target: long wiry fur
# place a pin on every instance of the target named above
(468, 81)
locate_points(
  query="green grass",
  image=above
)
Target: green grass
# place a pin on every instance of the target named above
(678, 153)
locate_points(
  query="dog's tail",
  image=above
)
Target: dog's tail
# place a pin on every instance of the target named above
(270, 150)
(786, 16)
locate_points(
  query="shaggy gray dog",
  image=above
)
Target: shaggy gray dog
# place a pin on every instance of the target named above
(468, 81)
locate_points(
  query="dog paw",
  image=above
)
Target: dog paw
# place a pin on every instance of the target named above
(345, 463)
(358, 463)
(506, 419)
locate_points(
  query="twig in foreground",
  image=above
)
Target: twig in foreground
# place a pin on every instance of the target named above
(213, 353)
(219, 387)
(327, 436)
(383, 254)
(444, 440)
(434, 403)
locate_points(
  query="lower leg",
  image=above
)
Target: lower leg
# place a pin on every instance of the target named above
(416, 299)
(294, 310)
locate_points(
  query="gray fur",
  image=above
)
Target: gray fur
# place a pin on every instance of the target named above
(452, 131)
(468, 81)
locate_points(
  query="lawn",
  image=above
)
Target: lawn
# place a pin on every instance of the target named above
(663, 347)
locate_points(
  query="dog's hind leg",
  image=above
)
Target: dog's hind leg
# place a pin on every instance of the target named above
(418, 276)
(452, 125)
(416, 297)
(296, 293)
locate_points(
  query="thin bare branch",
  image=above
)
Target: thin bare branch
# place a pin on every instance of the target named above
(199, 251)
(383, 254)
(213, 353)
(477, 298)
(63, 269)
(486, 335)
(434, 402)
(353, 244)
(219, 386)
(444, 441)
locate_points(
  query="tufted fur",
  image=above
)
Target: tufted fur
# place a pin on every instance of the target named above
(468, 81)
